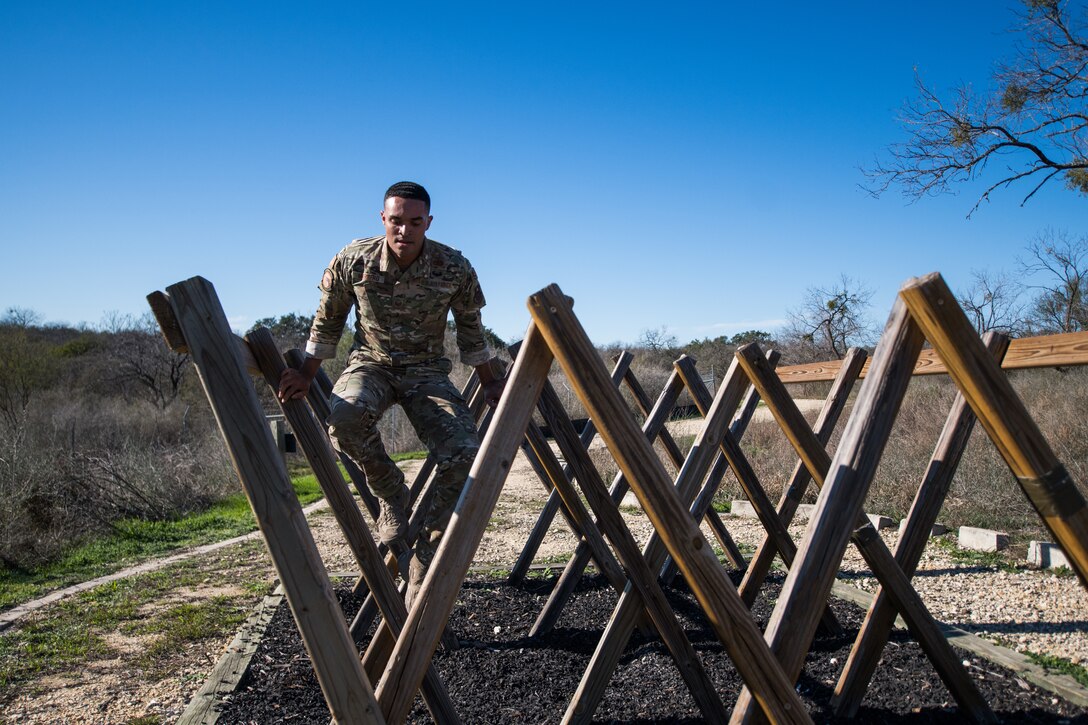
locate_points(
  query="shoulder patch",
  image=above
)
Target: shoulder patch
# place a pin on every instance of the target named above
(326, 280)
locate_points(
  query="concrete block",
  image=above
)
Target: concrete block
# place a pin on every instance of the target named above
(743, 508)
(937, 529)
(630, 499)
(1047, 555)
(880, 522)
(982, 539)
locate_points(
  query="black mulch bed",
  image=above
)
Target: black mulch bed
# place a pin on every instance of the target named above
(501, 675)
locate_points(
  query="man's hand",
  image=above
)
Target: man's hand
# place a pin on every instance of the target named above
(492, 380)
(493, 391)
(295, 384)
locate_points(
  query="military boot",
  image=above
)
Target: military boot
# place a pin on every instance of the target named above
(426, 547)
(393, 516)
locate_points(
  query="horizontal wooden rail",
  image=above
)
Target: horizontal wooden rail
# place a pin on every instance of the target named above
(1044, 351)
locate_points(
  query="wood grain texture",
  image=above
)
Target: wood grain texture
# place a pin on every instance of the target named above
(319, 404)
(643, 580)
(838, 511)
(1003, 415)
(749, 482)
(1067, 349)
(873, 634)
(552, 505)
(428, 616)
(794, 490)
(318, 451)
(622, 623)
(665, 508)
(572, 572)
(261, 470)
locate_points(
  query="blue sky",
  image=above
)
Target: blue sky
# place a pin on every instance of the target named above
(693, 166)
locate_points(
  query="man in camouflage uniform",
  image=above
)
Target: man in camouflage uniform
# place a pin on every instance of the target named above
(402, 286)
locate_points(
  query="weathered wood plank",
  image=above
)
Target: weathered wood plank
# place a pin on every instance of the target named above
(1062, 685)
(618, 631)
(203, 709)
(702, 508)
(318, 451)
(665, 508)
(261, 470)
(1043, 478)
(319, 404)
(746, 476)
(536, 536)
(427, 619)
(642, 580)
(873, 634)
(838, 510)
(834, 404)
(600, 552)
(1066, 349)
(572, 572)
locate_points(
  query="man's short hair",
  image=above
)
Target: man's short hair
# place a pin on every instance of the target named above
(409, 190)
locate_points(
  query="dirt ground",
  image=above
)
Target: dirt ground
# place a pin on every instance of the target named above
(1038, 611)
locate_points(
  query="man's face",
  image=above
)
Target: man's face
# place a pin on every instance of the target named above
(406, 222)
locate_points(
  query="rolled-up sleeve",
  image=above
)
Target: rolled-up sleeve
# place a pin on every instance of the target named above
(465, 305)
(332, 312)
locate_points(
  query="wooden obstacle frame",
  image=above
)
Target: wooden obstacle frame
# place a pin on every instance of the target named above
(381, 685)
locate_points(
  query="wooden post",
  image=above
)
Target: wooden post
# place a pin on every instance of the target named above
(701, 509)
(319, 453)
(1042, 476)
(838, 511)
(291, 546)
(572, 572)
(620, 370)
(643, 581)
(601, 553)
(749, 483)
(666, 510)
(622, 623)
(873, 635)
(319, 403)
(834, 404)
(427, 619)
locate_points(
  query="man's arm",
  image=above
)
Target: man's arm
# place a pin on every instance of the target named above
(328, 325)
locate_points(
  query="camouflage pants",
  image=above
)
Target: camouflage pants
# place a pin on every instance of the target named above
(436, 411)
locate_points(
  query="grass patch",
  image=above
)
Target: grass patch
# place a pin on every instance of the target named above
(1060, 665)
(136, 540)
(74, 630)
(987, 559)
(188, 622)
(409, 456)
(44, 646)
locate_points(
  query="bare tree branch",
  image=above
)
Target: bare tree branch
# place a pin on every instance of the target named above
(1034, 117)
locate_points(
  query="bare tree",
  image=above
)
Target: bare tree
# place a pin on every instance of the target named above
(1033, 124)
(995, 302)
(21, 317)
(831, 319)
(657, 339)
(1062, 302)
(141, 358)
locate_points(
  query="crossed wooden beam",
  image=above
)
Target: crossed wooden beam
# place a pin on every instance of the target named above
(767, 666)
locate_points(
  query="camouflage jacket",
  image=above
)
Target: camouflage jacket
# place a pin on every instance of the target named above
(400, 315)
